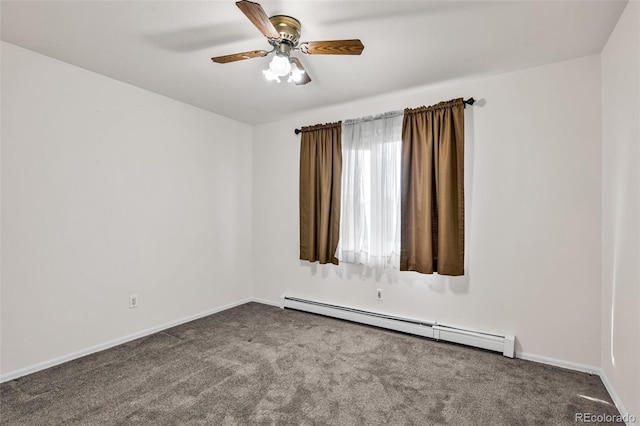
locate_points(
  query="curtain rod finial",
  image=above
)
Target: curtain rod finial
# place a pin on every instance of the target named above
(297, 131)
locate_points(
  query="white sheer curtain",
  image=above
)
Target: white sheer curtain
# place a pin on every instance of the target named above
(370, 200)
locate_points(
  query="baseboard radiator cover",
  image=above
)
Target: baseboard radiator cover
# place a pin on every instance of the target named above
(504, 344)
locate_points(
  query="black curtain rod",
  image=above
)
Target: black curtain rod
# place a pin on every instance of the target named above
(466, 102)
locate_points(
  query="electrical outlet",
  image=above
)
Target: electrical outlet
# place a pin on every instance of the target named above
(379, 294)
(133, 301)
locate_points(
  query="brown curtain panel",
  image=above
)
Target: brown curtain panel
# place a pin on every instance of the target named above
(320, 180)
(432, 189)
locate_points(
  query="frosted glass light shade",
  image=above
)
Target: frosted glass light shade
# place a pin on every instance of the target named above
(270, 76)
(296, 74)
(280, 65)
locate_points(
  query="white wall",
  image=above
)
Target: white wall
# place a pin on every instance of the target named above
(109, 190)
(621, 209)
(533, 214)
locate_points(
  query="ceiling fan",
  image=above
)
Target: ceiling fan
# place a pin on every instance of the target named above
(283, 33)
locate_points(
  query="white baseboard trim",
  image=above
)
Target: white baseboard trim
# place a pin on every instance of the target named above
(102, 346)
(616, 399)
(267, 302)
(559, 363)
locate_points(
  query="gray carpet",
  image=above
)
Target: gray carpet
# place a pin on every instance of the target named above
(257, 364)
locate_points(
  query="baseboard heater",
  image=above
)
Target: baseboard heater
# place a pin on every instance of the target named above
(493, 342)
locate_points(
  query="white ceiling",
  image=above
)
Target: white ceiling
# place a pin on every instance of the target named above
(166, 46)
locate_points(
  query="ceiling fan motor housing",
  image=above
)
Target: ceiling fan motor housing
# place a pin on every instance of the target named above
(289, 28)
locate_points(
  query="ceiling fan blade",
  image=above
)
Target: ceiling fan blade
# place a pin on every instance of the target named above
(259, 18)
(332, 47)
(239, 56)
(305, 76)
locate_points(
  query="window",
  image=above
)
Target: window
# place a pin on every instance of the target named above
(380, 188)
(370, 194)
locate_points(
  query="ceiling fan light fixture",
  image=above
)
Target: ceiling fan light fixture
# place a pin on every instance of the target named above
(280, 65)
(270, 76)
(296, 74)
